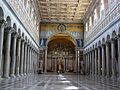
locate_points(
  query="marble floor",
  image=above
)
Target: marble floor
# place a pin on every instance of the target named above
(59, 82)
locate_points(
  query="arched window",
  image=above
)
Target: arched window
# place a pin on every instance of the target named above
(90, 22)
(32, 11)
(95, 15)
(106, 4)
(25, 3)
(86, 26)
(98, 12)
(28, 4)
(102, 5)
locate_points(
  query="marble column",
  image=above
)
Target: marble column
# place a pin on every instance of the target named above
(113, 58)
(33, 58)
(2, 26)
(31, 64)
(13, 56)
(75, 63)
(103, 60)
(118, 40)
(107, 60)
(22, 57)
(86, 63)
(6, 66)
(25, 58)
(96, 62)
(93, 62)
(90, 62)
(34, 62)
(27, 62)
(17, 69)
(78, 62)
(45, 69)
(30, 61)
(99, 60)
(55, 64)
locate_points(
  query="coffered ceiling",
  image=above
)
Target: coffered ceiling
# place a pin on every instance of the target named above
(63, 10)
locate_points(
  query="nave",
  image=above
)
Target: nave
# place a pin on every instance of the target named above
(59, 82)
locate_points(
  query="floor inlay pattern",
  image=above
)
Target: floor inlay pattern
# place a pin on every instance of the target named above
(59, 82)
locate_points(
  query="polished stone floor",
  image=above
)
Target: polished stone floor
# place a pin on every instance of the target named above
(59, 82)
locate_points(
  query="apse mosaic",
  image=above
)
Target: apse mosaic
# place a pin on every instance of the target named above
(75, 30)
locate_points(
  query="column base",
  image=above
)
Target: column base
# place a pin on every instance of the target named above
(5, 77)
(1, 78)
(108, 76)
(28, 74)
(21, 75)
(12, 76)
(17, 75)
(118, 78)
(25, 74)
(74, 71)
(45, 72)
(103, 76)
(113, 77)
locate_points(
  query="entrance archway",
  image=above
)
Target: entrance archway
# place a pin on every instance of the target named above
(61, 54)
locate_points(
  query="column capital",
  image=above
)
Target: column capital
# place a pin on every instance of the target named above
(2, 23)
(30, 47)
(9, 29)
(99, 46)
(93, 49)
(118, 37)
(77, 48)
(15, 34)
(103, 44)
(25, 41)
(96, 47)
(45, 48)
(28, 44)
(22, 39)
(19, 37)
(112, 40)
(85, 52)
(107, 42)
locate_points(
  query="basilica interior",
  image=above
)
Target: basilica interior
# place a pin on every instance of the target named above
(59, 44)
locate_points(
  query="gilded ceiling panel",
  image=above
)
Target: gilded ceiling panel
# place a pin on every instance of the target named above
(63, 10)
